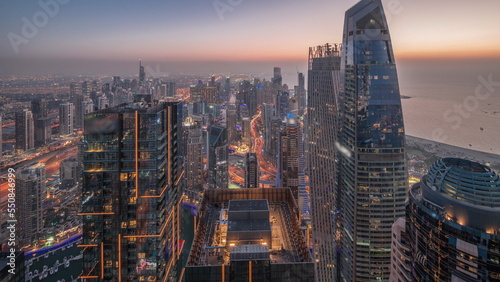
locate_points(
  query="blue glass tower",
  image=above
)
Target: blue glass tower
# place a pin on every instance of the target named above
(371, 176)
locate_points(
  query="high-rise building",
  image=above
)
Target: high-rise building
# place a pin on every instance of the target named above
(43, 131)
(372, 173)
(39, 108)
(277, 78)
(77, 101)
(231, 123)
(193, 157)
(202, 92)
(252, 170)
(288, 160)
(66, 118)
(249, 235)
(30, 192)
(69, 172)
(86, 88)
(1, 139)
(300, 94)
(452, 230)
(282, 104)
(322, 114)
(74, 89)
(131, 193)
(87, 106)
(217, 158)
(142, 74)
(25, 135)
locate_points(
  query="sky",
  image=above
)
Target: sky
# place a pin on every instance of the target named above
(104, 36)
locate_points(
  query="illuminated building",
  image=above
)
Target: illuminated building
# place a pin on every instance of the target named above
(193, 157)
(282, 104)
(249, 235)
(300, 94)
(142, 74)
(322, 116)
(66, 116)
(131, 193)
(453, 224)
(252, 172)
(372, 173)
(30, 192)
(25, 135)
(217, 158)
(201, 92)
(277, 79)
(288, 160)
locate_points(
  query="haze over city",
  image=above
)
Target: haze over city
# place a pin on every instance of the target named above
(85, 37)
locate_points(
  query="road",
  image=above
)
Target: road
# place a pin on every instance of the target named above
(51, 160)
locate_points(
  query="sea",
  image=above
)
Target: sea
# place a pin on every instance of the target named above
(456, 102)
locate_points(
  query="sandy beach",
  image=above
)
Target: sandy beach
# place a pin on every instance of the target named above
(445, 150)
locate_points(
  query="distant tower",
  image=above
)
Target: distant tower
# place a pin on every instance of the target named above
(25, 135)
(30, 192)
(282, 104)
(251, 170)
(300, 94)
(142, 74)
(277, 79)
(66, 116)
(217, 158)
(288, 161)
(41, 122)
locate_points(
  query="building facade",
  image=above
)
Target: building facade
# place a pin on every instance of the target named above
(252, 175)
(131, 193)
(218, 177)
(322, 126)
(25, 130)
(453, 224)
(66, 118)
(372, 173)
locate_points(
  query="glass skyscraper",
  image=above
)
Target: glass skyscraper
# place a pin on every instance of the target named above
(371, 173)
(131, 193)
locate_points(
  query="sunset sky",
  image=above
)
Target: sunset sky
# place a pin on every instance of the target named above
(108, 35)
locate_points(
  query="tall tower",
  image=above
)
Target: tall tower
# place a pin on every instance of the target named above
(288, 160)
(142, 74)
(66, 116)
(300, 94)
(193, 157)
(131, 193)
(217, 158)
(277, 78)
(251, 170)
(322, 115)
(25, 135)
(372, 175)
(282, 104)
(31, 190)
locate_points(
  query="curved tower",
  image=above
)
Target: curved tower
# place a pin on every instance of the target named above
(453, 223)
(372, 179)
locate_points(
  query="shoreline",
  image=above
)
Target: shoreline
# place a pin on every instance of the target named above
(444, 150)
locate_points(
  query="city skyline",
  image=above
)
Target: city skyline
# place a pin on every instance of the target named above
(222, 35)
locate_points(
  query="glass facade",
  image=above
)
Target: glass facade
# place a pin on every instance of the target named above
(450, 238)
(372, 177)
(131, 193)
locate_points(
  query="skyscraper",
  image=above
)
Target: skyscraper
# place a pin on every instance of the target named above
(372, 174)
(131, 193)
(69, 172)
(282, 104)
(142, 74)
(30, 192)
(322, 115)
(66, 118)
(277, 79)
(288, 160)
(25, 135)
(300, 93)
(217, 158)
(452, 225)
(193, 156)
(251, 170)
